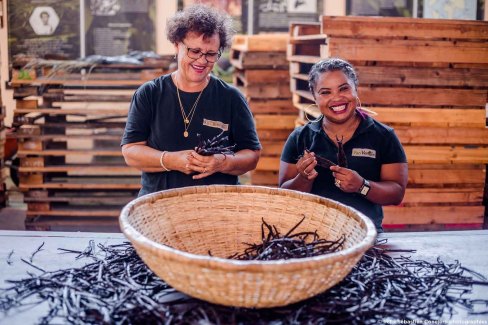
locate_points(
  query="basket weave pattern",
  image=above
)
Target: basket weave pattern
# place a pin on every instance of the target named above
(219, 219)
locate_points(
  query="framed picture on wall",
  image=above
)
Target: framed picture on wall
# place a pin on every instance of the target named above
(44, 28)
(116, 27)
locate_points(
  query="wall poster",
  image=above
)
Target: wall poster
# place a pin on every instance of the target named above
(44, 28)
(276, 15)
(450, 9)
(115, 27)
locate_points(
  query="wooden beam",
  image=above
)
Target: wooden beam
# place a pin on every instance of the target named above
(447, 196)
(433, 215)
(403, 27)
(406, 50)
(275, 42)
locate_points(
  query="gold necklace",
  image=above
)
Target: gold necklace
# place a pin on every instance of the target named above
(187, 118)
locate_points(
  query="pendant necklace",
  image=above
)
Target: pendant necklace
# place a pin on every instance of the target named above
(346, 135)
(187, 118)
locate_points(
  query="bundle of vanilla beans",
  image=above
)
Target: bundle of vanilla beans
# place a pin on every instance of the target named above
(214, 145)
(116, 287)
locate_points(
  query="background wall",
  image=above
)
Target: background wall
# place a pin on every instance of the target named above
(164, 8)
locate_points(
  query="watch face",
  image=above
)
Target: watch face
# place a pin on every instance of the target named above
(365, 190)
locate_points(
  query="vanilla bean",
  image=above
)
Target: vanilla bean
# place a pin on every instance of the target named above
(9, 257)
(37, 251)
(341, 155)
(321, 161)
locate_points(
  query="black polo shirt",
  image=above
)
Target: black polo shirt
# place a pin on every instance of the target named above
(155, 117)
(372, 145)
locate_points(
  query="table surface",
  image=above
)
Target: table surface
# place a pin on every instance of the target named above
(469, 247)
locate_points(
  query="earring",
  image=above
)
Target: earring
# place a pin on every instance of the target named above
(358, 103)
(306, 114)
(364, 110)
(175, 56)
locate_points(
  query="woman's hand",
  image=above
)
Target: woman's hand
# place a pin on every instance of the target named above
(205, 165)
(347, 180)
(306, 166)
(178, 160)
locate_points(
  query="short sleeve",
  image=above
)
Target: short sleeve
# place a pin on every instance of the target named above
(137, 127)
(291, 153)
(393, 151)
(243, 128)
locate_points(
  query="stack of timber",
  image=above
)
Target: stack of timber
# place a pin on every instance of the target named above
(428, 79)
(261, 73)
(69, 127)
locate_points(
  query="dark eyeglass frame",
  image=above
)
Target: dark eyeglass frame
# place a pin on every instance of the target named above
(200, 54)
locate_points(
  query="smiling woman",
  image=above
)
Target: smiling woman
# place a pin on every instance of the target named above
(170, 114)
(344, 155)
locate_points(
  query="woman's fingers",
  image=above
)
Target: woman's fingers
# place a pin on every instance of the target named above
(306, 167)
(347, 180)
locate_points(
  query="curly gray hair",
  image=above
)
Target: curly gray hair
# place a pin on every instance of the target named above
(200, 19)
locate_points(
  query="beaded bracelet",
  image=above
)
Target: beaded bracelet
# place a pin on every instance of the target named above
(161, 161)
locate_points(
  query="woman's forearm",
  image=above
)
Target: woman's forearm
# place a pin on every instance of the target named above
(142, 157)
(241, 162)
(386, 193)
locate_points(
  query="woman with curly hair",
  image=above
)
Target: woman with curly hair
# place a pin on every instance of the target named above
(168, 113)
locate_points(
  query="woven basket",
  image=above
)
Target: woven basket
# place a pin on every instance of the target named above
(174, 230)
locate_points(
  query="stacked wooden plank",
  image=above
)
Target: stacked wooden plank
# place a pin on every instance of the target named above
(261, 73)
(428, 79)
(69, 129)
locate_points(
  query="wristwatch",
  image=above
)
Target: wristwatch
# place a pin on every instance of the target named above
(364, 189)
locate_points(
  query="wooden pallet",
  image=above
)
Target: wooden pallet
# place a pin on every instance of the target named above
(69, 130)
(259, 51)
(431, 86)
(262, 75)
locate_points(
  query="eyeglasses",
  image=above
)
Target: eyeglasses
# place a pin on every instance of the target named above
(196, 54)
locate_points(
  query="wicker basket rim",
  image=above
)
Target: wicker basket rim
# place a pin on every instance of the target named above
(174, 254)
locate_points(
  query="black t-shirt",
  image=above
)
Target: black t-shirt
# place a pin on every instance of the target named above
(155, 117)
(372, 145)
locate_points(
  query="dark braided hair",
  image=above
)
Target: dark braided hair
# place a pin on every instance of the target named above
(331, 64)
(200, 19)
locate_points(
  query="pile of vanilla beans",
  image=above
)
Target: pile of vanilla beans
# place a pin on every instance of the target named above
(115, 286)
(275, 246)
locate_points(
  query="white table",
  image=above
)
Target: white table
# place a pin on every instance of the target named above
(469, 247)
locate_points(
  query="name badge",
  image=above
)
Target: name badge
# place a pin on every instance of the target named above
(216, 124)
(359, 152)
